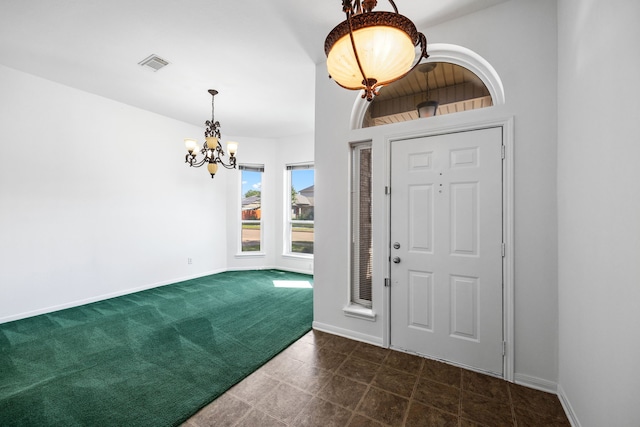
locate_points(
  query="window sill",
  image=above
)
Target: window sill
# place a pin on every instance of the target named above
(250, 255)
(359, 312)
(298, 256)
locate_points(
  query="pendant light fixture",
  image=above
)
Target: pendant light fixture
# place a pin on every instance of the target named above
(211, 149)
(372, 49)
(428, 108)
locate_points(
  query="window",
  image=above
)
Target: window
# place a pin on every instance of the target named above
(300, 209)
(251, 211)
(450, 87)
(361, 232)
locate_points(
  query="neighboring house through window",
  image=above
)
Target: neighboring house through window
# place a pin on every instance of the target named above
(251, 210)
(300, 210)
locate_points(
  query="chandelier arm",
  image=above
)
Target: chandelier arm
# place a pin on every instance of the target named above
(395, 9)
(368, 86)
(198, 163)
(422, 40)
(229, 166)
(217, 159)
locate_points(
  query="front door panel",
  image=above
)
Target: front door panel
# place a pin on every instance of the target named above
(446, 278)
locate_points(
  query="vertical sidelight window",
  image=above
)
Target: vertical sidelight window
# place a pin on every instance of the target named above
(361, 231)
(300, 209)
(251, 209)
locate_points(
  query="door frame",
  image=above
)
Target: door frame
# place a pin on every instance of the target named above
(508, 261)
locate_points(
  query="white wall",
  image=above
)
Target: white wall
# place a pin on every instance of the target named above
(95, 199)
(274, 154)
(599, 210)
(518, 38)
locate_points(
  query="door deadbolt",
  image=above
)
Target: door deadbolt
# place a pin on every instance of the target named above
(396, 260)
(396, 245)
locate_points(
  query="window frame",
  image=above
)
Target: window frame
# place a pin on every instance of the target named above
(355, 296)
(289, 222)
(241, 252)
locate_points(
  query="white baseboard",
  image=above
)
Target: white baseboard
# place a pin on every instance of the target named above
(369, 339)
(536, 383)
(294, 270)
(291, 270)
(120, 293)
(566, 405)
(550, 387)
(102, 297)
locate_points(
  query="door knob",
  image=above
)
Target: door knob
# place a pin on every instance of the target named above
(396, 260)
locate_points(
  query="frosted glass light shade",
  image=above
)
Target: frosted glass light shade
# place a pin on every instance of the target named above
(427, 108)
(386, 53)
(190, 144)
(212, 142)
(213, 168)
(232, 148)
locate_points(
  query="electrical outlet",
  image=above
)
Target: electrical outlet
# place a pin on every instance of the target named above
(189, 261)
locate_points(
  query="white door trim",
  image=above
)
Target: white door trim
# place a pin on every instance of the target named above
(508, 265)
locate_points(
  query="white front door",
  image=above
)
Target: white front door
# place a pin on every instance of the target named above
(446, 248)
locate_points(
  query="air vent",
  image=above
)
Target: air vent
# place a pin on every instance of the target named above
(154, 62)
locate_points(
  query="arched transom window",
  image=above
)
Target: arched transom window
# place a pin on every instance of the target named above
(432, 87)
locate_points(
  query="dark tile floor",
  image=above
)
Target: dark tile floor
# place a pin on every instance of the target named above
(326, 380)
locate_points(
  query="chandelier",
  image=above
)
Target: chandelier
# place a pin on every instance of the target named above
(372, 49)
(211, 149)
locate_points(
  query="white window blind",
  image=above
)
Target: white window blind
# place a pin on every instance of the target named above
(361, 231)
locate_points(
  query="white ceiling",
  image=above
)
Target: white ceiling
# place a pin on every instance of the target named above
(260, 55)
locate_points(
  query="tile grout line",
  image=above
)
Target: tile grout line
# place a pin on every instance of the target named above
(512, 406)
(460, 399)
(279, 381)
(413, 392)
(354, 413)
(315, 393)
(334, 374)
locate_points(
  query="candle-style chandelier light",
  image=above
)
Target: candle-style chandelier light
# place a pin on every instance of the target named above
(372, 49)
(211, 149)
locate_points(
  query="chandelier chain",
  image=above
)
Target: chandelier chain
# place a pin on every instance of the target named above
(213, 126)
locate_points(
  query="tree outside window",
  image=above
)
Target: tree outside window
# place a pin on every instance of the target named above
(251, 211)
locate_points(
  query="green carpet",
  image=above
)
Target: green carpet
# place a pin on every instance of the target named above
(152, 358)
